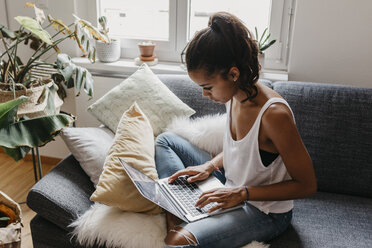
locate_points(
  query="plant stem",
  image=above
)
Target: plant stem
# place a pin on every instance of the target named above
(15, 58)
(31, 60)
(7, 50)
(16, 44)
(38, 49)
(20, 40)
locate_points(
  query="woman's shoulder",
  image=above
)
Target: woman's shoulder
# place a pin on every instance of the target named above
(277, 114)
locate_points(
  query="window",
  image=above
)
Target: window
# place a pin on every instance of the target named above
(171, 23)
(139, 19)
(254, 13)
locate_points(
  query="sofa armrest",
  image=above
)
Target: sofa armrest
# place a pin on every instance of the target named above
(63, 194)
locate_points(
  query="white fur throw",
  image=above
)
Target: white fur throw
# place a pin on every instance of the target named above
(113, 227)
(105, 225)
(205, 132)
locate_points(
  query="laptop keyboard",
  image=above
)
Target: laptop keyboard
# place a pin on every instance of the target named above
(188, 194)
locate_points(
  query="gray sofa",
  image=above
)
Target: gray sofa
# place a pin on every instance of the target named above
(335, 123)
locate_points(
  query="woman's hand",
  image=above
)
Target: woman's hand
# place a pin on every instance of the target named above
(195, 173)
(225, 198)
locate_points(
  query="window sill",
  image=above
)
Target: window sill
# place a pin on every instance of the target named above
(125, 67)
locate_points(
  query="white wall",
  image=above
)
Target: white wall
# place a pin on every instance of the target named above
(3, 14)
(332, 42)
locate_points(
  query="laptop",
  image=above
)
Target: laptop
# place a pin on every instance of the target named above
(179, 197)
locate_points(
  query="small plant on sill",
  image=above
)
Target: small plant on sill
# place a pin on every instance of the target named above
(108, 50)
(263, 42)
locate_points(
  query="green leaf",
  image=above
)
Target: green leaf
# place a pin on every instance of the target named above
(67, 69)
(18, 137)
(7, 33)
(59, 25)
(255, 29)
(8, 110)
(263, 34)
(79, 80)
(267, 37)
(89, 29)
(50, 107)
(16, 153)
(103, 22)
(268, 45)
(88, 86)
(70, 83)
(65, 66)
(18, 60)
(33, 132)
(35, 28)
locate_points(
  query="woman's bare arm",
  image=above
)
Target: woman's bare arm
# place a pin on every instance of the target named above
(279, 127)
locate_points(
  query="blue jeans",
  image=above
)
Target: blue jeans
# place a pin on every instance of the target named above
(232, 229)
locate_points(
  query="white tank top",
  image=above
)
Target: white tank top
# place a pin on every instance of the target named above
(243, 166)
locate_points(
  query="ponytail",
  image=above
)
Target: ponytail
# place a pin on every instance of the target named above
(225, 43)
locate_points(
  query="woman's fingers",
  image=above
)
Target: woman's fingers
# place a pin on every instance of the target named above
(198, 177)
(218, 206)
(181, 173)
(206, 200)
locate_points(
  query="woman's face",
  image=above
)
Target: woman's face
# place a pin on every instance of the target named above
(214, 87)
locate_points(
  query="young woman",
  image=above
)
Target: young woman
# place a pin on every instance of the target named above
(264, 159)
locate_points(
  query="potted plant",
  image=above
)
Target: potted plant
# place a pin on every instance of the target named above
(108, 50)
(23, 131)
(147, 55)
(263, 44)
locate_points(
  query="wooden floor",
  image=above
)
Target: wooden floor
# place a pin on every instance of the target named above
(16, 179)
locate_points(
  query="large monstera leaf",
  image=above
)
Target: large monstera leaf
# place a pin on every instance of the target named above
(82, 76)
(35, 28)
(17, 137)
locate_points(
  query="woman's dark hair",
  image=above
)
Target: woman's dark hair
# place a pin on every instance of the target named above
(225, 43)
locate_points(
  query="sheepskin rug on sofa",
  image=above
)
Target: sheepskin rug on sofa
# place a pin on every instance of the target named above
(205, 132)
(110, 226)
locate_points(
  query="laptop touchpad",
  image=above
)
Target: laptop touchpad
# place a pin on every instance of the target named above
(209, 184)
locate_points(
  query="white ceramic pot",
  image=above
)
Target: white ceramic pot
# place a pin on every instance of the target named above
(108, 52)
(261, 60)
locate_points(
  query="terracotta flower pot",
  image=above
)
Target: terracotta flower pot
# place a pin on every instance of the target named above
(146, 49)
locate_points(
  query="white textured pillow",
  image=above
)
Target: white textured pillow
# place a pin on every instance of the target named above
(157, 102)
(89, 146)
(205, 132)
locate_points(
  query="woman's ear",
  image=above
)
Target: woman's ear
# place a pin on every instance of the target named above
(234, 73)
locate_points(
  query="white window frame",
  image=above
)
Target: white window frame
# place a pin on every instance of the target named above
(276, 58)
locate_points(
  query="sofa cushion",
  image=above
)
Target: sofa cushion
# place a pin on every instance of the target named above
(191, 94)
(63, 194)
(144, 87)
(329, 220)
(335, 124)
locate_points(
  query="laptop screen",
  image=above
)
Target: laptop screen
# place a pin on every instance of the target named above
(149, 188)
